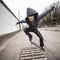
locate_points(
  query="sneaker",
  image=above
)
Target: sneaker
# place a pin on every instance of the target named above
(30, 38)
(42, 48)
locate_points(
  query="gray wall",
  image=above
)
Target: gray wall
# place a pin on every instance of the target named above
(7, 21)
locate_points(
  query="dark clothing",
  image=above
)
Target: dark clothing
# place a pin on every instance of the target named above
(30, 12)
(33, 25)
(27, 30)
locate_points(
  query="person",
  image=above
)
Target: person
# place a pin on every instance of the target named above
(32, 20)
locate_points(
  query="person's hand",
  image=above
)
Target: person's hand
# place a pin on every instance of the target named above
(17, 23)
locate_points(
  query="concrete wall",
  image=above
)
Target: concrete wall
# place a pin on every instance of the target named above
(7, 21)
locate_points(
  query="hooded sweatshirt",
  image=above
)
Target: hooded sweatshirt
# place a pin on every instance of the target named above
(37, 18)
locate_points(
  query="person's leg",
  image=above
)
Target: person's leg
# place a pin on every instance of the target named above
(27, 30)
(40, 37)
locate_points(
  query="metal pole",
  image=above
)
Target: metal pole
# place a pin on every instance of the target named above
(19, 20)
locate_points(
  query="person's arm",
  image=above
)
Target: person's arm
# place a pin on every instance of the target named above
(45, 13)
(23, 21)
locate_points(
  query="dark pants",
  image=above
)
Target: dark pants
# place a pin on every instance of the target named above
(27, 30)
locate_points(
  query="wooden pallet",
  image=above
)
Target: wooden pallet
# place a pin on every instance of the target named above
(32, 53)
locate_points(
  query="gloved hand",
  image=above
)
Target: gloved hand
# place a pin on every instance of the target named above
(17, 23)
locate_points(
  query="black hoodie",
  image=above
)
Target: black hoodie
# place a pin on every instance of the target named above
(34, 24)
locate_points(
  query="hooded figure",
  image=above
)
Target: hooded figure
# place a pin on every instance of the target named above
(33, 24)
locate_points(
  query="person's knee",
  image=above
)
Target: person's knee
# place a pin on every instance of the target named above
(25, 30)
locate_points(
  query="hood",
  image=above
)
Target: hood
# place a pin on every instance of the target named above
(31, 11)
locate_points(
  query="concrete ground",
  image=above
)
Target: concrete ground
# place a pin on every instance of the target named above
(11, 48)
